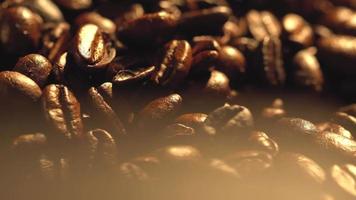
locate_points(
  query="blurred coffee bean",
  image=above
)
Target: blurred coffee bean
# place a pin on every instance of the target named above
(180, 134)
(229, 119)
(297, 30)
(345, 120)
(341, 20)
(148, 29)
(263, 24)
(333, 128)
(105, 24)
(36, 67)
(338, 53)
(92, 50)
(175, 64)
(275, 111)
(74, 4)
(233, 63)
(132, 77)
(20, 30)
(158, 112)
(349, 109)
(342, 180)
(194, 120)
(62, 111)
(102, 149)
(205, 54)
(55, 40)
(307, 71)
(108, 116)
(48, 10)
(260, 141)
(205, 21)
(29, 144)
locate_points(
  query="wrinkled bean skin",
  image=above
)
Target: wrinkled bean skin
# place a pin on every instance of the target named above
(62, 111)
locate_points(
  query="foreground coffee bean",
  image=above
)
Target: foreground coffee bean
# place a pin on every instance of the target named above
(20, 30)
(333, 128)
(261, 141)
(342, 180)
(62, 111)
(36, 67)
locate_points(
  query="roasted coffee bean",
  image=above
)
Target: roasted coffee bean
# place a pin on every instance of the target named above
(205, 54)
(263, 24)
(46, 9)
(179, 134)
(157, 112)
(338, 53)
(204, 22)
(307, 71)
(341, 147)
(128, 13)
(175, 64)
(233, 63)
(345, 120)
(132, 77)
(349, 109)
(36, 67)
(74, 4)
(29, 144)
(20, 30)
(102, 106)
(269, 63)
(341, 20)
(194, 120)
(333, 128)
(55, 40)
(229, 119)
(103, 149)
(62, 111)
(275, 111)
(261, 141)
(297, 30)
(148, 29)
(92, 50)
(105, 24)
(342, 180)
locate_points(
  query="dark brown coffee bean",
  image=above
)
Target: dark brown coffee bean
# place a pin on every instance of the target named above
(263, 24)
(339, 53)
(159, 111)
(132, 77)
(179, 134)
(345, 120)
(105, 24)
(261, 141)
(269, 63)
(275, 111)
(17, 89)
(205, 54)
(194, 120)
(341, 20)
(232, 63)
(92, 49)
(46, 9)
(307, 70)
(35, 67)
(103, 149)
(108, 116)
(128, 13)
(195, 22)
(333, 128)
(175, 64)
(20, 30)
(62, 111)
(297, 30)
(74, 4)
(148, 29)
(55, 40)
(228, 119)
(342, 180)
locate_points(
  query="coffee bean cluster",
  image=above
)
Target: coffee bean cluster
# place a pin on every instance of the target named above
(179, 99)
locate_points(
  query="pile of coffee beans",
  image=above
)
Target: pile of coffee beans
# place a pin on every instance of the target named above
(178, 99)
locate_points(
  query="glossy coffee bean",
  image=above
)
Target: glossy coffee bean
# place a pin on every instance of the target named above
(92, 50)
(62, 112)
(228, 119)
(261, 141)
(333, 128)
(232, 62)
(205, 54)
(36, 67)
(20, 30)
(195, 120)
(297, 30)
(105, 24)
(157, 112)
(262, 24)
(18, 90)
(307, 70)
(47, 9)
(340, 19)
(148, 29)
(175, 65)
(101, 105)
(125, 78)
(345, 120)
